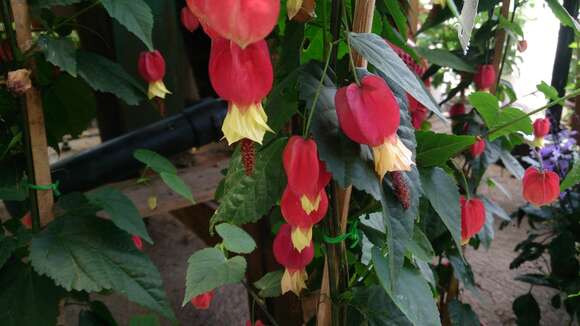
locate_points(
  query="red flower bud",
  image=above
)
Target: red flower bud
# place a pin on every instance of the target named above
(151, 66)
(241, 21)
(540, 188)
(302, 167)
(478, 148)
(188, 20)
(541, 127)
(369, 113)
(138, 242)
(485, 77)
(457, 109)
(522, 46)
(203, 300)
(243, 76)
(472, 218)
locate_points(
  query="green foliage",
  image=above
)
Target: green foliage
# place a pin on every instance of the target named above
(461, 314)
(572, 178)
(445, 58)
(371, 305)
(269, 285)
(8, 245)
(27, 299)
(91, 254)
(247, 198)
(177, 184)
(527, 310)
(121, 210)
(61, 52)
(144, 320)
(509, 119)
(549, 91)
(420, 246)
(235, 238)
(208, 269)
(436, 149)
(563, 15)
(135, 15)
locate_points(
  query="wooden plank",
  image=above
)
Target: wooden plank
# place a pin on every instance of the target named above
(34, 119)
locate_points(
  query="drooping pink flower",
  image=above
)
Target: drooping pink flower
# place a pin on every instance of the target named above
(152, 69)
(478, 148)
(472, 218)
(541, 129)
(540, 188)
(188, 19)
(485, 77)
(203, 301)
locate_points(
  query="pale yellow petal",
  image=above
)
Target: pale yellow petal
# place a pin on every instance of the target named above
(392, 156)
(294, 281)
(301, 238)
(308, 205)
(249, 122)
(157, 89)
(293, 7)
(538, 142)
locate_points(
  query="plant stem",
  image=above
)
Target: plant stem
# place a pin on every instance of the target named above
(570, 95)
(317, 94)
(350, 56)
(260, 303)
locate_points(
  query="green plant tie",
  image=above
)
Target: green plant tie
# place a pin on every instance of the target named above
(52, 186)
(353, 234)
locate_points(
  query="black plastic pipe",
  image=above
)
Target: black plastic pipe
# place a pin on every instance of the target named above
(113, 160)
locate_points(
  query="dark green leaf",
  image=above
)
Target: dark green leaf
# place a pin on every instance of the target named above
(61, 52)
(135, 15)
(420, 246)
(7, 246)
(247, 198)
(27, 299)
(177, 184)
(444, 58)
(208, 269)
(463, 273)
(495, 209)
(441, 190)
(12, 184)
(91, 254)
(487, 106)
(121, 210)
(144, 320)
(376, 50)
(512, 165)
(374, 307)
(103, 313)
(436, 149)
(399, 17)
(411, 293)
(549, 91)
(156, 162)
(110, 77)
(573, 177)
(527, 310)
(461, 314)
(236, 239)
(269, 285)
(563, 15)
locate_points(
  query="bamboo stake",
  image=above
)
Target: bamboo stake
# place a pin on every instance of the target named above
(34, 120)
(500, 37)
(362, 23)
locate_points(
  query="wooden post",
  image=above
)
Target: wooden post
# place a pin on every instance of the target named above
(34, 120)
(500, 37)
(363, 23)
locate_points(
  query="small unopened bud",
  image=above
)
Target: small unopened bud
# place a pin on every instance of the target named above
(522, 46)
(248, 153)
(401, 188)
(19, 81)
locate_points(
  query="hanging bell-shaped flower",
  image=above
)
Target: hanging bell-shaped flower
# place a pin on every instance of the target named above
(241, 21)
(472, 218)
(418, 111)
(541, 129)
(485, 77)
(152, 70)
(458, 109)
(478, 148)
(540, 188)
(189, 20)
(302, 222)
(369, 114)
(294, 261)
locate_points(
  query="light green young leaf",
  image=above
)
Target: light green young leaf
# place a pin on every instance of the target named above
(549, 91)
(269, 285)
(236, 239)
(573, 177)
(155, 161)
(177, 184)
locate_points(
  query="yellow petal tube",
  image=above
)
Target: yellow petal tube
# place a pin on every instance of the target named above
(245, 122)
(157, 89)
(392, 156)
(293, 7)
(294, 281)
(301, 238)
(308, 205)
(538, 142)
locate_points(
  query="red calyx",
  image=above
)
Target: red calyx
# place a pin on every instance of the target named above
(188, 20)
(285, 253)
(485, 77)
(478, 148)
(151, 66)
(472, 217)
(542, 127)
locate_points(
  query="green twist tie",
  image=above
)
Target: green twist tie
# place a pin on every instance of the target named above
(353, 234)
(52, 186)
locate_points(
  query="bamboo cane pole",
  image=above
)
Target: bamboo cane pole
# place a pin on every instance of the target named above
(362, 23)
(34, 120)
(500, 37)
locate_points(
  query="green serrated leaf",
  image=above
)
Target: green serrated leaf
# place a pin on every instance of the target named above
(487, 106)
(236, 239)
(135, 15)
(107, 76)
(121, 210)
(549, 91)
(27, 299)
(442, 192)
(269, 285)
(436, 149)
(61, 52)
(91, 254)
(247, 198)
(177, 184)
(156, 162)
(573, 177)
(208, 269)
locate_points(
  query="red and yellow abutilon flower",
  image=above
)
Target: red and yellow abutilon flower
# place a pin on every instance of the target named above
(152, 70)
(369, 114)
(294, 261)
(485, 77)
(203, 301)
(472, 218)
(478, 148)
(540, 187)
(541, 129)
(188, 19)
(304, 202)
(241, 21)
(243, 77)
